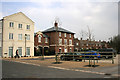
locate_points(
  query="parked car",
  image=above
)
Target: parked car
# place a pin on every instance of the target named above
(71, 56)
(105, 53)
(89, 54)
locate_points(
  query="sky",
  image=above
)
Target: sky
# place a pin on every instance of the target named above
(101, 16)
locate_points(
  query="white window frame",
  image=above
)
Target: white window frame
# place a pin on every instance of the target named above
(0, 36)
(77, 43)
(27, 51)
(20, 51)
(46, 40)
(59, 34)
(19, 26)
(70, 42)
(19, 36)
(60, 41)
(28, 27)
(70, 35)
(28, 37)
(65, 41)
(10, 36)
(11, 24)
(39, 38)
(65, 35)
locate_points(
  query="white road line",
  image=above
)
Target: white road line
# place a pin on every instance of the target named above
(27, 63)
(77, 70)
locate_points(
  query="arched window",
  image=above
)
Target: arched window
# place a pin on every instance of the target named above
(39, 38)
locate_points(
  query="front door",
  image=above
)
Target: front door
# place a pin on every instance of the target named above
(10, 51)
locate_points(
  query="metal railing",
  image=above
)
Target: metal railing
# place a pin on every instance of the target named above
(89, 56)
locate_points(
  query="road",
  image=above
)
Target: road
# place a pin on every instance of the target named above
(20, 70)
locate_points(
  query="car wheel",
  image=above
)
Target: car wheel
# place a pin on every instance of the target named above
(80, 60)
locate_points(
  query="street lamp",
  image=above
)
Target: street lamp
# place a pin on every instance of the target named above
(25, 44)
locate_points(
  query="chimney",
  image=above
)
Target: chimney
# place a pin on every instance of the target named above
(56, 24)
(81, 38)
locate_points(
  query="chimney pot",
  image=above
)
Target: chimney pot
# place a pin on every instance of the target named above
(56, 24)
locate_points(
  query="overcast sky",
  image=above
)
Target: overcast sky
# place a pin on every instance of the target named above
(75, 15)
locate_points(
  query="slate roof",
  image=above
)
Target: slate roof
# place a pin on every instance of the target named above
(59, 29)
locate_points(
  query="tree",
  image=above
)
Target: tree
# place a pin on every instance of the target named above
(115, 43)
(87, 34)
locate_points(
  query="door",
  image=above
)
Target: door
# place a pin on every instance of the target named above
(65, 50)
(10, 51)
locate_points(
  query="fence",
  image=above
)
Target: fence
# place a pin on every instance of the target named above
(91, 56)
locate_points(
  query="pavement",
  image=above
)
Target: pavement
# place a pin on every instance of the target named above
(101, 68)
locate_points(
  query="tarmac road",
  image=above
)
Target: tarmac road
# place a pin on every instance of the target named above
(19, 70)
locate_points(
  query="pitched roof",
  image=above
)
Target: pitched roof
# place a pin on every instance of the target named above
(59, 29)
(41, 34)
(18, 14)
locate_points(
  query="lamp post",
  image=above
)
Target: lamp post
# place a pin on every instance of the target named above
(25, 44)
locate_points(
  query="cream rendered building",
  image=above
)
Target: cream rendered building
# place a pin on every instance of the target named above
(17, 33)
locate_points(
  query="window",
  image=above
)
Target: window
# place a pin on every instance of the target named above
(70, 35)
(86, 44)
(0, 36)
(11, 24)
(39, 38)
(60, 41)
(20, 26)
(28, 37)
(64, 34)
(65, 41)
(77, 44)
(20, 51)
(28, 51)
(70, 42)
(70, 49)
(10, 35)
(10, 51)
(0, 51)
(28, 27)
(65, 50)
(19, 36)
(46, 40)
(0, 24)
(59, 34)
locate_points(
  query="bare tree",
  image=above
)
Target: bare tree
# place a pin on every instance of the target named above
(87, 34)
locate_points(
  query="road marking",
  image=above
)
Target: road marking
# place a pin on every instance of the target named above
(76, 70)
(27, 63)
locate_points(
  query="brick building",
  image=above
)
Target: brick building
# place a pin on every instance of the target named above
(80, 45)
(41, 44)
(60, 40)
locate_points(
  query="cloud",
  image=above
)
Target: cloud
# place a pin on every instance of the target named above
(75, 15)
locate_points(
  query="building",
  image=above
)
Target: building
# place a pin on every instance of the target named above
(80, 45)
(41, 44)
(60, 40)
(17, 33)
